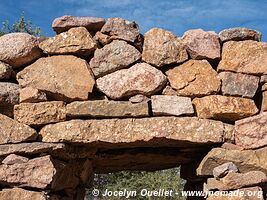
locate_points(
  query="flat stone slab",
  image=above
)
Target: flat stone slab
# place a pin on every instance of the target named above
(239, 34)
(138, 132)
(18, 193)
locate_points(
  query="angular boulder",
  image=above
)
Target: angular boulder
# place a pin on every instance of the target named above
(104, 108)
(162, 47)
(138, 132)
(31, 95)
(202, 45)
(9, 96)
(237, 84)
(5, 71)
(37, 114)
(171, 105)
(239, 34)
(12, 131)
(112, 57)
(19, 49)
(245, 160)
(22, 194)
(66, 22)
(141, 78)
(76, 41)
(248, 57)
(62, 77)
(251, 132)
(228, 109)
(194, 78)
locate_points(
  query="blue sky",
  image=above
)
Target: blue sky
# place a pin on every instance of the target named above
(174, 15)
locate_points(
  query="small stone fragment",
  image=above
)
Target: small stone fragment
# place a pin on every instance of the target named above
(224, 169)
(264, 101)
(239, 34)
(102, 38)
(139, 98)
(5, 71)
(13, 159)
(31, 95)
(169, 91)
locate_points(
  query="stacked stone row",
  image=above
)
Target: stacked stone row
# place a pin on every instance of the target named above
(74, 88)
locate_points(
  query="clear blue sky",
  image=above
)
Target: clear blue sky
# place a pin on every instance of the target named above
(174, 15)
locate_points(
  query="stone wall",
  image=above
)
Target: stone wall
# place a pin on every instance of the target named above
(100, 97)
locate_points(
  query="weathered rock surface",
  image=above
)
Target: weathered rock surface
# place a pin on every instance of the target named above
(224, 169)
(169, 91)
(112, 57)
(237, 84)
(194, 78)
(102, 38)
(202, 45)
(141, 78)
(239, 34)
(18, 193)
(162, 47)
(77, 41)
(67, 22)
(224, 108)
(236, 181)
(42, 113)
(12, 131)
(264, 101)
(13, 158)
(31, 95)
(63, 77)
(249, 57)
(263, 79)
(103, 108)
(9, 96)
(5, 71)
(118, 28)
(139, 98)
(171, 105)
(19, 49)
(251, 132)
(245, 160)
(139, 132)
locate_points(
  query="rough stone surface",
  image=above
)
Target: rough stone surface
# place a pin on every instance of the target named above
(162, 47)
(42, 113)
(224, 169)
(9, 96)
(202, 45)
(263, 79)
(13, 158)
(77, 41)
(67, 22)
(264, 102)
(251, 132)
(141, 78)
(63, 77)
(12, 131)
(126, 131)
(245, 160)
(118, 28)
(194, 78)
(5, 71)
(102, 38)
(239, 34)
(237, 84)
(31, 95)
(18, 193)
(264, 87)
(107, 109)
(236, 180)
(169, 91)
(231, 146)
(139, 98)
(224, 108)
(19, 49)
(171, 105)
(249, 57)
(112, 57)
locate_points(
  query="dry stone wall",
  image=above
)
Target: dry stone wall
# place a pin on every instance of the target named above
(100, 97)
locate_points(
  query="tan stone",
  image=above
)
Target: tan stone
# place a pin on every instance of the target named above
(21, 194)
(239, 34)
(162, 47)
(224, 169)
(224, 108)
(245, 160)
(102, 38)
(249, 57)
(42, 113)
(107, 109)
(31, 95)
(202, 45)
(251, 132)
(194, 78)
(5, 71)
(264, 101)
(141, 78)
(112, 57)
(264, 87)
(12, 131)
(63, 77)
(76, 41)
(139, 98)
(138, 132)
(67, 22)
(169, 91)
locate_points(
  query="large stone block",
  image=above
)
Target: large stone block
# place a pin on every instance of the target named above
(22, 194)
(239, 34)
(5, 71)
